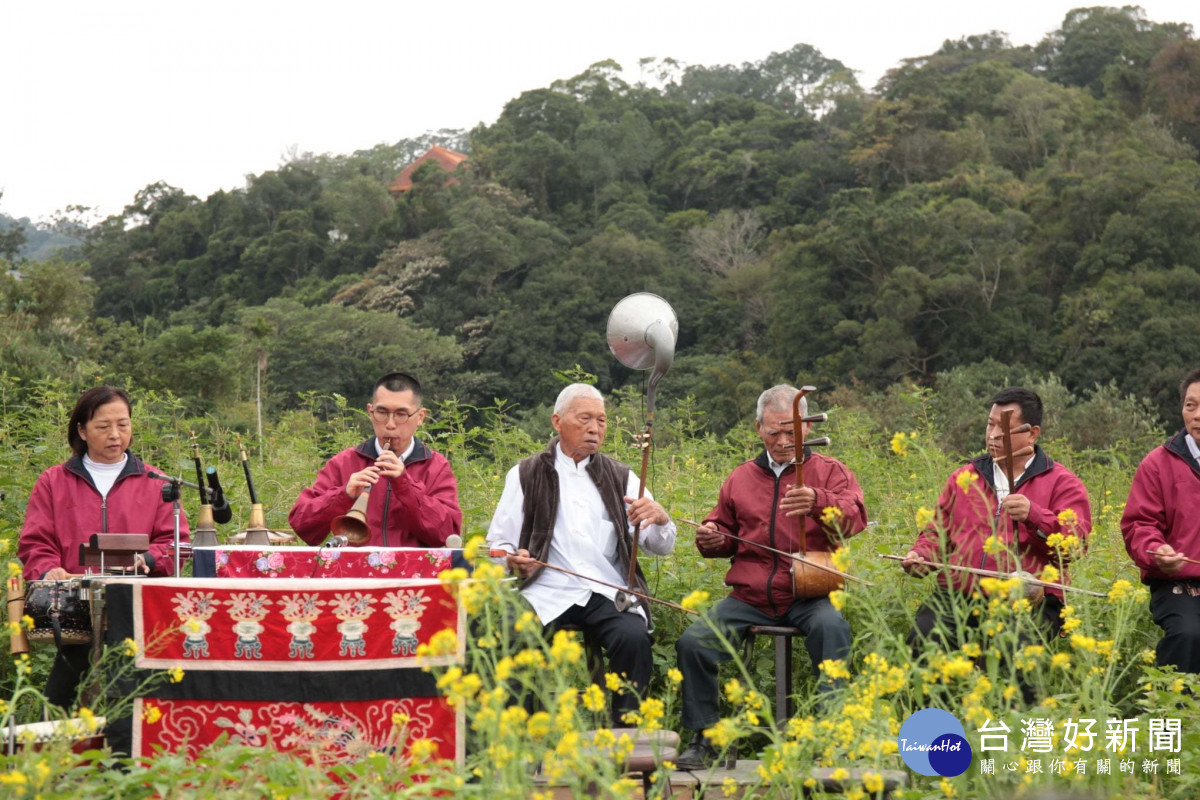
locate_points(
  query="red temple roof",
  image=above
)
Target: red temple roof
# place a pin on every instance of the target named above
(446, 159)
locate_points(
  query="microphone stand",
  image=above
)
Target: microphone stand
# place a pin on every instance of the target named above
(171, 492)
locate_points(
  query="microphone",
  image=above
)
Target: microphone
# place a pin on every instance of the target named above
(222, 513)
(337, 541)
(454, 541)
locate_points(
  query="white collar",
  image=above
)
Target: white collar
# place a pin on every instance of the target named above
(1192, 446)
(412, 445)
(567, 462)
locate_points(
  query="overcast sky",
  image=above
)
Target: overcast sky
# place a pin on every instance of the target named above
(101, 99)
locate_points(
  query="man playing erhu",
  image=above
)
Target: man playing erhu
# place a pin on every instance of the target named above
(761, 503)
(574, 508)
(414, 497)
(1161, 526)
(981, 521)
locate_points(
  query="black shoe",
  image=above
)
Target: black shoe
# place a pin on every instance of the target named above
(701, 755)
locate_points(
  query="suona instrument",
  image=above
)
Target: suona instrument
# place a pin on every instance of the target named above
(352, 526)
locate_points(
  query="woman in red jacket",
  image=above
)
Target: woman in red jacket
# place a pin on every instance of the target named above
(102, 488)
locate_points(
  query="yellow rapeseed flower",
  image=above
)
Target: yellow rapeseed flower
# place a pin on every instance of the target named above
(471, 551)
(899, 445)
(27, 622)
(14, 569)
(1060, 660)
(151, 713)
(539, 725)
(566, 648)
(834, 668)
(872, 782)
(831, 514)
(613, 681)
(422, 750)
(966, 479)
(1049, 573)
(734, 691)
(695, 601)
(175, 674)
(453, 575)
(593, 698)
(674, 676)
(837, 599)
(1120, 590)
(840, 558)
(992, 545)
(924, 516)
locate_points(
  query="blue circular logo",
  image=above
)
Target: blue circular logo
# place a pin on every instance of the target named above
(933, 742)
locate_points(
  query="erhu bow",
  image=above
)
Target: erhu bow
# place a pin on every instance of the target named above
(642, 330)
(784, 553)
(1024, 577)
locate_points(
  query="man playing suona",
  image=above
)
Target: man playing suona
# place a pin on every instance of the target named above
(575, 508)
(761, 502)
(414, 497)
(1161, 526)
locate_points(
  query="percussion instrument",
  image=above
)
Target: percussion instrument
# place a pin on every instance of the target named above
(82, 733)
(61, 611)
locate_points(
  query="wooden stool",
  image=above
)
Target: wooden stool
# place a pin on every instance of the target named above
(650, 750)
(783, 636)
(893, 779)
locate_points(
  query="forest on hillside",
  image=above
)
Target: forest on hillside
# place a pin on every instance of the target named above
(987, 212)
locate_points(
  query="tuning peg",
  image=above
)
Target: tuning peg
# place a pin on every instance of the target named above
(815, 418)
(820, 441)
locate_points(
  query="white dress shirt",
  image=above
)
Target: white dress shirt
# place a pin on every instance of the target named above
(584, 539)
(1192, 447)
(1001, 480)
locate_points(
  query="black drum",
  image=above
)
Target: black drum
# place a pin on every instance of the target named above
(58, 604)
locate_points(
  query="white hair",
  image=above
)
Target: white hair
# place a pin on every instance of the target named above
(779, 397)
(573, 393)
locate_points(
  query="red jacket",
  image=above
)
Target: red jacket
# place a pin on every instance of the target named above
(967, 518)
(421, 505)
(1164, 508)
(748, 507)
(65, 509)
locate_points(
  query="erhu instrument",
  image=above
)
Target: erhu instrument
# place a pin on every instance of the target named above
(642, 330)
(813, 574)
(204, 534)
(793, 556)
(353, 524)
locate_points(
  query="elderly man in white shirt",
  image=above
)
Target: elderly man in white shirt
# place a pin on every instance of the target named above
(574, 508)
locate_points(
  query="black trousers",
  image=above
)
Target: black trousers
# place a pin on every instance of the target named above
(942, 617)
(1178, 614)
(700, 653)
(623, 637)
(70, 665)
